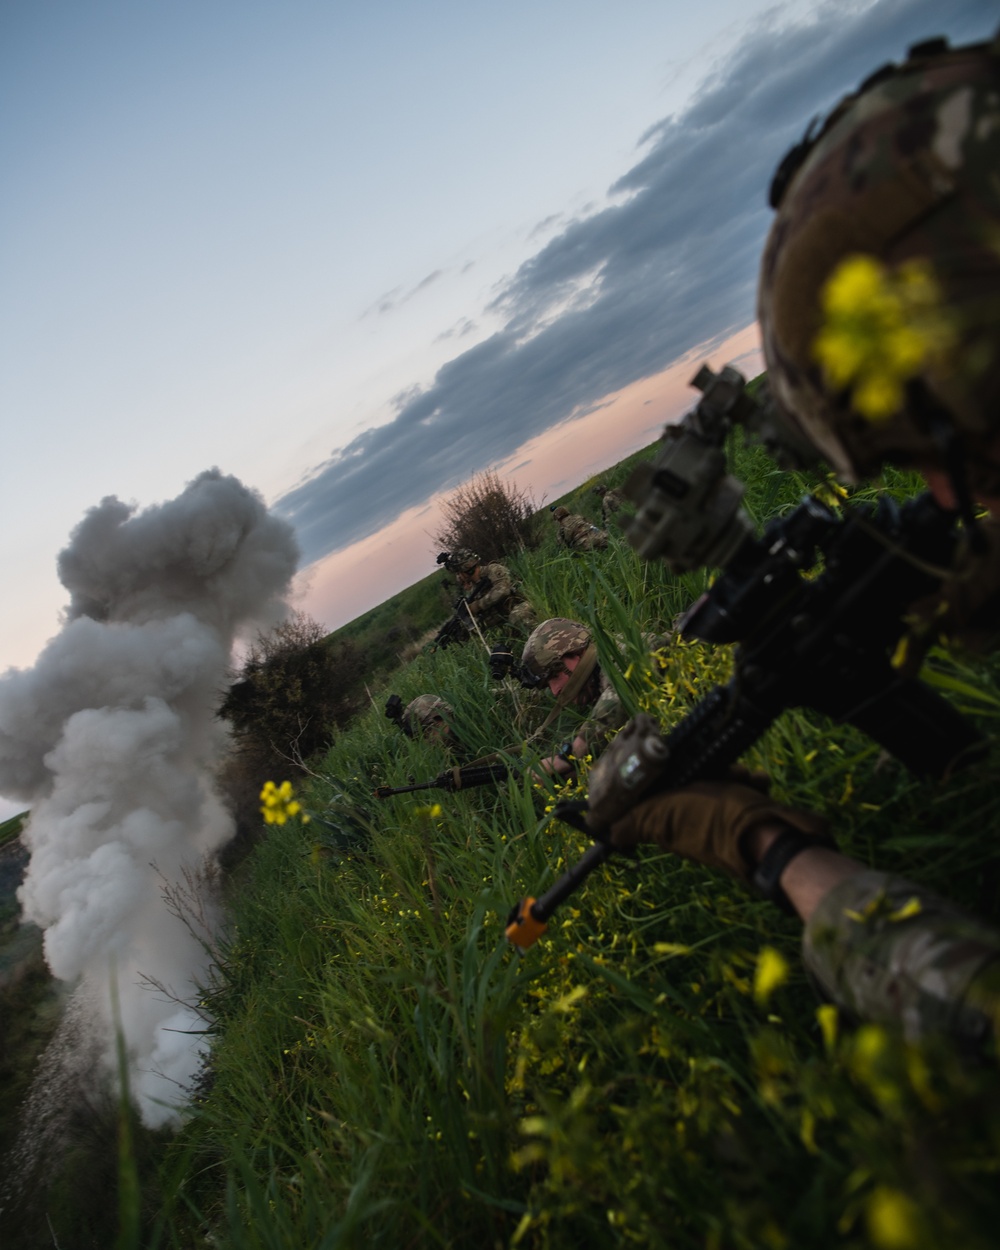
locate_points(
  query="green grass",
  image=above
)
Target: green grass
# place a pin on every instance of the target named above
(11, 829)
(387, 1071)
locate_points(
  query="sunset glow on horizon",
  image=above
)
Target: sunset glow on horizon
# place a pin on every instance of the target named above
(346, 584)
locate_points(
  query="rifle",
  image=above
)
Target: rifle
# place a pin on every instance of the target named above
(823, 642)
(453, 779)
(456, 628)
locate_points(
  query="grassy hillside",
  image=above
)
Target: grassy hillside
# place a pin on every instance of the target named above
(383, 632)
(387, 1071)
(11, 829)
(381, 635)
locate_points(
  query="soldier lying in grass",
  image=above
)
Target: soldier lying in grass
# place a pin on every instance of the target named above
(879, 306)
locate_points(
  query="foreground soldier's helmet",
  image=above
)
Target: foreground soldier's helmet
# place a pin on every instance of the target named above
(549, 642)
(462, 560)
(559, 513)
(600, 489)
(907, 168)
(428, 711)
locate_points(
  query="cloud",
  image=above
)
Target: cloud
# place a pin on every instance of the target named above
(396, 299)
(426, 282)
(459, 330)
(669, 262)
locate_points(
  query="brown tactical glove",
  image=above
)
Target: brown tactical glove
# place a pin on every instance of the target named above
(706, 822)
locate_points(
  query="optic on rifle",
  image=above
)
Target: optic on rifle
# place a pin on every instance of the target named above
(689, 508)
(394, 712)
(501, 660)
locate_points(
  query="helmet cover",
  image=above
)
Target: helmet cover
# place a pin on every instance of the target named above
(427, 710)
(903, 170)
(549, 642)
(462, 560)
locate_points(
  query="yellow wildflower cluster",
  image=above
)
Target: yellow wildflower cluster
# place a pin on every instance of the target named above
(277, 804)
(771, 971)
(881, 327)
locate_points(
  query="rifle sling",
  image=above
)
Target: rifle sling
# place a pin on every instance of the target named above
(497, 757)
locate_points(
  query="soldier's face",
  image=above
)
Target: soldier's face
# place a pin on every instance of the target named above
(939, 484)
(437, 731)
(558, 683)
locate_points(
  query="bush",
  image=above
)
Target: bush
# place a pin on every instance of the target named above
(491, 517)
(292, 689)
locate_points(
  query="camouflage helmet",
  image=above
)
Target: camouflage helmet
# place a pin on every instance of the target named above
(904, 169)
(427, 710)
(560, 513)
(549, 642)
(600, 489)
(462, 560)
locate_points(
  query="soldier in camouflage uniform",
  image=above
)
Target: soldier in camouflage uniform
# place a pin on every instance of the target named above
(428, 715)
(611, 501)
(498, 604)
(560, 654)
(577, 533)
(905, 168)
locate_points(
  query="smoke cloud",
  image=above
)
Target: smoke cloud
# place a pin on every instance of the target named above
(112, 738)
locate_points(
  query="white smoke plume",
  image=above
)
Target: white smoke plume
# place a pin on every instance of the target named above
(111, 739)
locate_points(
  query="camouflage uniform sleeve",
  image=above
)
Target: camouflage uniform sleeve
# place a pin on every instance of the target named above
(501, 587)
(605, 717)
(889, 951)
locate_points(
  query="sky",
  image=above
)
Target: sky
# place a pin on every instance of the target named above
(354, 254)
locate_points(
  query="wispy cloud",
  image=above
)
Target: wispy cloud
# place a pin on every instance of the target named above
(668, 262)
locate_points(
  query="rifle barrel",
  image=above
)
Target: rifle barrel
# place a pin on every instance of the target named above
(452, 780)
(383, 792)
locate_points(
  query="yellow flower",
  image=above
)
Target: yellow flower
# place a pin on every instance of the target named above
(880, 329)
(277, 804)
(893, 1219)
(772, 971)
(878, 396)
(828, 1019)
(910, 908)
(856, 281)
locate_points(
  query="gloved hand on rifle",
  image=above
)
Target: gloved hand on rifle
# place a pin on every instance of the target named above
(708, 822)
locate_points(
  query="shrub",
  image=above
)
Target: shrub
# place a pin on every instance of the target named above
(491, 517)
(291, 689)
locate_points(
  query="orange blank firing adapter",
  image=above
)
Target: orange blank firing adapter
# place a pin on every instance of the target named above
(524, 928)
